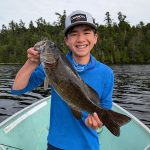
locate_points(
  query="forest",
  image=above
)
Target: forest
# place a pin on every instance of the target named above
(118, 43)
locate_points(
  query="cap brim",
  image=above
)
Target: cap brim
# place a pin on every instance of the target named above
(79, 23)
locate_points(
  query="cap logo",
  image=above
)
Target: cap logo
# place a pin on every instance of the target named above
(78, 17)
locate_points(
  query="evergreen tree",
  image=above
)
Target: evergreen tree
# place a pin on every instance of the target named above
(118, 43)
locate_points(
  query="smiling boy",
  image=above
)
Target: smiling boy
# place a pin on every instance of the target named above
(66, 132)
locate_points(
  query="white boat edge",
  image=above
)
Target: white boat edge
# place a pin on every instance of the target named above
(133, 117)
(28, 108)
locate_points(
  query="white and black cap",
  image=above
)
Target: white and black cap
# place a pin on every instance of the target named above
(79, 17)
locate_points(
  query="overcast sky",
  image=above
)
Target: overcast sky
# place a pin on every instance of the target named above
(27, 10)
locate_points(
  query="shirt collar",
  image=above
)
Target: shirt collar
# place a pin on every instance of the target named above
(80, 67)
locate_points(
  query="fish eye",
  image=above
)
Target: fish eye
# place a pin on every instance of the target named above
(51, 45)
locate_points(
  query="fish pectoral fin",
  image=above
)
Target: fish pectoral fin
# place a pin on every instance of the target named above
(77, 114)
(46, 83)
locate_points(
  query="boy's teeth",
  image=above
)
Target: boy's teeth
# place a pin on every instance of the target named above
(81, 46)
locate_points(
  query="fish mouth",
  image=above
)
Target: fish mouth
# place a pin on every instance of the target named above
(50, 64)
(47, 59)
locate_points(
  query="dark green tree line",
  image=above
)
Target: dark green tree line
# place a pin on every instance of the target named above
(118, 43)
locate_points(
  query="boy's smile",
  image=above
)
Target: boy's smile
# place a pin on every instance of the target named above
(81, 46)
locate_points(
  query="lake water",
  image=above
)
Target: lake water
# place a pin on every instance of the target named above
(131, 91)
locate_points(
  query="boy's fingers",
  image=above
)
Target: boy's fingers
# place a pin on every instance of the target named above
(32, 51)
(94, 123)
(90, 120)
(33, 55)
(97, 119)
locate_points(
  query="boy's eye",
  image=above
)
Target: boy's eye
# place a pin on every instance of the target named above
(87, 33)
(73, 34)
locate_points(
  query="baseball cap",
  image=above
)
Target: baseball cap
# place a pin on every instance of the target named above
(79, 17)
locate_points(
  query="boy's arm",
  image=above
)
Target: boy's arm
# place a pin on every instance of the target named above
(27, 74)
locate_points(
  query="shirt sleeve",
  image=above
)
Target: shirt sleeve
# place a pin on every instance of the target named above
(36, 79)
(106, 97)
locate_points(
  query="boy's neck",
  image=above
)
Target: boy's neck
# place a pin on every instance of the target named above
(81, 60)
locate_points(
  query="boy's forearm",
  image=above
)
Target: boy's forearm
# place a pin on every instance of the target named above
(23, 76)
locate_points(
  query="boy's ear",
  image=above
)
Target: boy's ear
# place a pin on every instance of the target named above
(96, 34)
(66, 40)
(96, 37)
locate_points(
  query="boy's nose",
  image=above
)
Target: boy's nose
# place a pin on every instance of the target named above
(80, 38)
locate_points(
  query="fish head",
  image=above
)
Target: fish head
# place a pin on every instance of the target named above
(48, 52)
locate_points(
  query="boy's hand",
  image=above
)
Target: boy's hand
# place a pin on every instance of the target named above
(93, 121)
(33, 55)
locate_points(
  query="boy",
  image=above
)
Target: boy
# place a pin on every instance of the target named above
(66, 132)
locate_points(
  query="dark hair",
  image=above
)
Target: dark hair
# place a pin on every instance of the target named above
(70, 29)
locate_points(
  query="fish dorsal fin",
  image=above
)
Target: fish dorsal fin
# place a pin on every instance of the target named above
(77, 114)
(93, 95)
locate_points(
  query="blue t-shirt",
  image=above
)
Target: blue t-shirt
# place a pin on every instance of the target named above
(66, 132)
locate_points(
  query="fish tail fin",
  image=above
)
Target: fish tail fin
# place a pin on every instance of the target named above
(113, 121)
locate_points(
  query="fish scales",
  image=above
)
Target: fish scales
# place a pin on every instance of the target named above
(72, 89)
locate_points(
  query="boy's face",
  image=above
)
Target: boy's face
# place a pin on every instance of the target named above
(81, 39)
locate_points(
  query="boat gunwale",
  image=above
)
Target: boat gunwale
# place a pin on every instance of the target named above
(21, 112)
(133, 117)
(147, 147)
